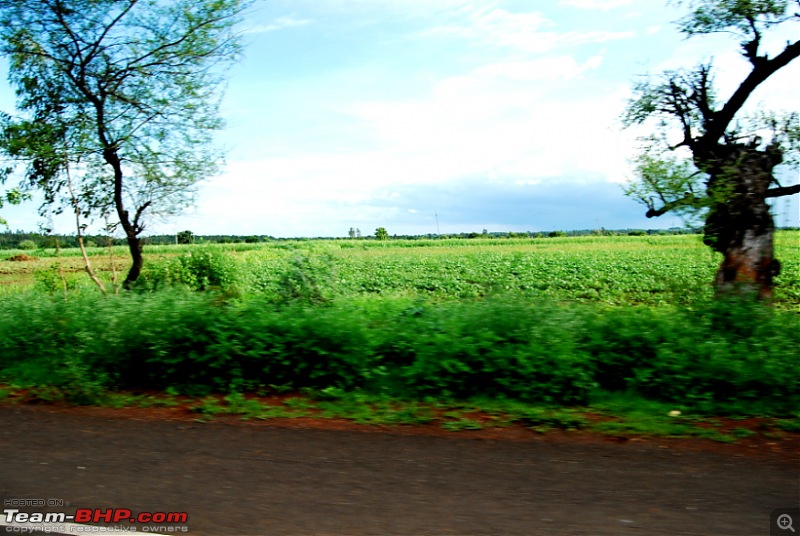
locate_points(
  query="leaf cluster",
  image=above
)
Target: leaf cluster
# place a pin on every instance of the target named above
(683, 108)
(137, 79)
(712, 357)
(740, 16)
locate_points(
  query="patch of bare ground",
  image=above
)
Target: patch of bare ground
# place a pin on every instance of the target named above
(21, 258)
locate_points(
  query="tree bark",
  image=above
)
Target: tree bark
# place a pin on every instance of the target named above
(135, 246)
(739, 224)
(131, 228)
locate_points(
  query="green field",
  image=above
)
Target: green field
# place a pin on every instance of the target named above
(613, 270)
(515, 323)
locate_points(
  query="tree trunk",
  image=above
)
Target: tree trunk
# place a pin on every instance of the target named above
(135, 246)
(739, 224)
(131, 228)
(749, 265)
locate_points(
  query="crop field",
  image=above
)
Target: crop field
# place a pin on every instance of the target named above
(650, 270)
(548, 322)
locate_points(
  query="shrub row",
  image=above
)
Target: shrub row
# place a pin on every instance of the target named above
(715, 356)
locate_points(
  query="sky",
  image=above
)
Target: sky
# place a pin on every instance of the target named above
(442, 116)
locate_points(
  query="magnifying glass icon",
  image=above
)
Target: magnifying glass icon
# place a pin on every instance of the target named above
(785, 522)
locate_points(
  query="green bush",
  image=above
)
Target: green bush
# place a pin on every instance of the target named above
(498, 348)
(52, 280)
(719, 357)
(307, 279)
(199, 269)
(27, 245)
(724, 354)
(733, 353)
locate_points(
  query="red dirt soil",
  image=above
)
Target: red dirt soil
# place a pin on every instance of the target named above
(21, 258)
(761, 444)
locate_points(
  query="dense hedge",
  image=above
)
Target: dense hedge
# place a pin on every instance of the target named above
(715, 356)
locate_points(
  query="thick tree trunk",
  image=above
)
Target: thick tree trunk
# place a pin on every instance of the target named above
(739, 224)
(748, 265)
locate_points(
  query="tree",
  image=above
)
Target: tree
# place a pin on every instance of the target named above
(381, 233)
(718, 162)
(352, 232)
(122, 94)
(185, 237)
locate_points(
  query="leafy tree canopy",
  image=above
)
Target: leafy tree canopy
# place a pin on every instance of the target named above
(381, 233)
(709, 157)
(119, 98)
(685, 110)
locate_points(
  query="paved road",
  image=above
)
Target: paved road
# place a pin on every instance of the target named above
(259, 480)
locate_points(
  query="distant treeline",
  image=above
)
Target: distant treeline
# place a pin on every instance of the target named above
(26, 240)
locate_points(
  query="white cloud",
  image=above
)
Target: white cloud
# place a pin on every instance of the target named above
(509, 117)
(527, 102)
(530, 33)
(545, 68)
(510, 100)
(603, 5)
(503, 122)
(279, 23)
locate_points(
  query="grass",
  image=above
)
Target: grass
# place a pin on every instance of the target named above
(616, 270)
(409, 332)
(732, 358)
(617, 415)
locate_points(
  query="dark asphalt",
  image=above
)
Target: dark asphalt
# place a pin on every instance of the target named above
(258, 480)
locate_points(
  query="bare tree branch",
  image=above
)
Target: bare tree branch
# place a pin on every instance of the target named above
(783, 191)
(721, 120)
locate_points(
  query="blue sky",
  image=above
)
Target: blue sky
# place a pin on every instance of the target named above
(490, 114)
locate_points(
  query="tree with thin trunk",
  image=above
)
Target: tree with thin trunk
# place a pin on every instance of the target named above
(123, 93)
(712, 158)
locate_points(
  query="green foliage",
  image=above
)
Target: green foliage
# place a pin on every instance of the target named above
(307, 279)
(527, 322)
(27, 245)
(717, 357)
(381, 233)
(696, 161)
(740, 16)
(12, 197)
(117, 102)
(606, 270)
(502, 349)
(294, 276)
(52, 279)
(663, 176)
(732, 353)
(620, 270)
(199, 269)
(185, 237)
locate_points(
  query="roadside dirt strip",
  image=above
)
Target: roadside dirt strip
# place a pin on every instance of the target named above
(126, 473)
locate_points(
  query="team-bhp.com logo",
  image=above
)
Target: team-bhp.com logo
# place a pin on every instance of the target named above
(87, 520)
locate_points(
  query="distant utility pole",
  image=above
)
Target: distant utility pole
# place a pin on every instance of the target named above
(436, 214)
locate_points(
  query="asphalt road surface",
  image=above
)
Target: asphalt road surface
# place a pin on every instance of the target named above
(240, 479)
